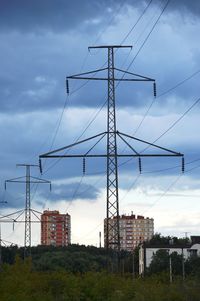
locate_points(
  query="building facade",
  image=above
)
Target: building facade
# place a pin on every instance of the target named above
(133, 230)
(55, 228)
(146, 252)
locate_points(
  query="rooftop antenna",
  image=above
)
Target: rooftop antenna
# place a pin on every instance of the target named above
(112, 238)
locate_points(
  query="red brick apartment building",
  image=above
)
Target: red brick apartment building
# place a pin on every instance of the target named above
(55, 228)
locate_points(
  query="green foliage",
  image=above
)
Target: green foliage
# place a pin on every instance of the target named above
(192, 266)
(73, 258)
(19, 282)
(160, 240)
(160, 262)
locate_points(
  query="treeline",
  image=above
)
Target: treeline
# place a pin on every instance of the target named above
(82, 259)
(73, 258)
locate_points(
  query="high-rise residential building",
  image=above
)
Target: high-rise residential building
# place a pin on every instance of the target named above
(133, 230)
(55, 228)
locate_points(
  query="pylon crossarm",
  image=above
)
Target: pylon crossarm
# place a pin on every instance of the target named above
(115, 79)
(69, 146)
(110, 46)
(42, 181)
(32, 182)
(16, 212)
(137, 75)
(127, 144)
(85, 73)
(152, 144)
(113, 155)
(13, 180)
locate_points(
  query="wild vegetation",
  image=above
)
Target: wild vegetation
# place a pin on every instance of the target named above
(19, 282)
(79, 273)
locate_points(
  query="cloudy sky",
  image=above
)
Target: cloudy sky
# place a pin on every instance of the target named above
(42, 42)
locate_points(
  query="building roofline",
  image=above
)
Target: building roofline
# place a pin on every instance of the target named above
(167, 246)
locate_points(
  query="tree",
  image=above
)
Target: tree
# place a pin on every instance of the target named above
(161, 262)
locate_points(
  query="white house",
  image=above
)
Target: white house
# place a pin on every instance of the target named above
(147, 251)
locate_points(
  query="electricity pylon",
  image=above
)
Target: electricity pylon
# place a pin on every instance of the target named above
(112, 154)
(27, 211)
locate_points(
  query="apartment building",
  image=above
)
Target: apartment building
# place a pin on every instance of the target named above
(55, 228)
(133, 230)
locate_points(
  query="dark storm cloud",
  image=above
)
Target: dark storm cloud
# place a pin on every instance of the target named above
(50, 15)
(190, 6)
(33, 71)
(37, 54)
(66, 192)
(14, 195)
(62, 15)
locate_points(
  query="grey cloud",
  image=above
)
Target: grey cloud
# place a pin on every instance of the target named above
(62, 15)
(34, 64)
(188, 6)
(50, 15)
(66, 192)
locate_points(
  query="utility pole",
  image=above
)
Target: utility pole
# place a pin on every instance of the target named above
(133, 270)
(112, 134)
(170, 269)
(28, 181)
(183, 266)
(100, 239)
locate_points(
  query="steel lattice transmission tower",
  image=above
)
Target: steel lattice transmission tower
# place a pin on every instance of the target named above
(28, 210)
(112, 155)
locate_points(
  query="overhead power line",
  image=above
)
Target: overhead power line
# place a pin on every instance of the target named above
(178, 84)
(177, 121)
(170, 186)
(147, 37)
(162, 94)
(139, 18)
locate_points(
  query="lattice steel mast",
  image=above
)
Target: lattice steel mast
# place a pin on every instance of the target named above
(27, 233)
(112, 195)
(112, 155)
(27, 211)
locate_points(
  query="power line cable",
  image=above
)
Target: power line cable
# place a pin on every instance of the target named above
(75, 192)
(162, 94)
(138, 20)
(174, 123)
(166, 131)
(164, 193)
(170, 186)
(140, 35)
(130, 187)
(147, 37)
(179, 84)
